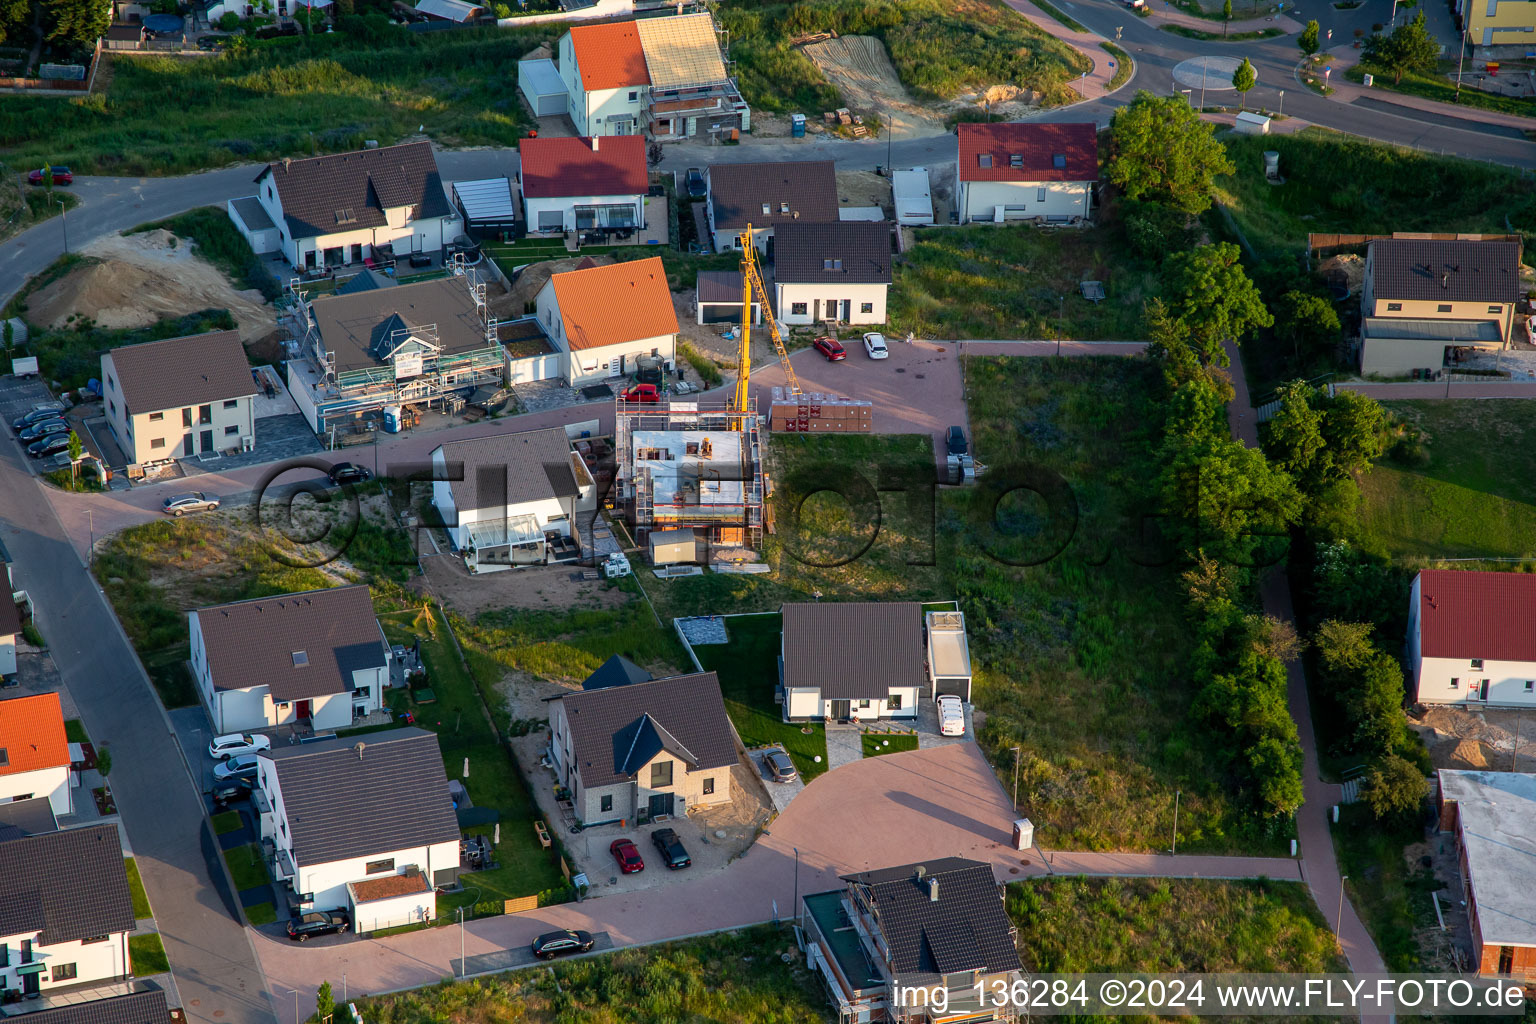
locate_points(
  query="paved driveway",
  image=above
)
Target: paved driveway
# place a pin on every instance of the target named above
(781, 793)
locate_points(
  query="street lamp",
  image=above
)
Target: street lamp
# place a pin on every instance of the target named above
(295, 1005)
(463, 971)
(1061, 321)
(64, 218)
(1282, 103)
(1204, 70)
(1174, 849)
(794, 908)
(1016, 751)
(1339, 915)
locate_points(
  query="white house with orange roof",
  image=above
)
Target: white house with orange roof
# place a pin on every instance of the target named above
(606, 318)
(605, 78)
(34, 753)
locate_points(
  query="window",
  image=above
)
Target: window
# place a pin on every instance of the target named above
(231, 403)
(709, 787)
(634, 94)
(831, 264)
(186, 417)
(63, 972)
(205, 414)
(767, 209)
(5, 954)
(661, 774)
(378, 867)
(893, 702)
(783, 207)
(233, 428)
(158, 442)
(94, 939)
(1495, 310)
(21, 796)
(111, 407)
(1455, 683)
(607, 803)
(1444, 307)
(1394, 307)
(797, 309)
(863, 704)
(111, 384)
(866, 307)
(984, 160)
(1477, 664)
(26, 951)
(300, 659)
(1059, 161)
(1530, 685)
(1016, 160)
(156, 417)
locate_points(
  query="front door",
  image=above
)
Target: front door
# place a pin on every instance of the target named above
(1482, 690)
(29, 984)
(302, 710)
(661, 803)
(186, 444)
(207, 440)
(841, 709)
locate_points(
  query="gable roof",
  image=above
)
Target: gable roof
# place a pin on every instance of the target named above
(1496, 819)
(965, 929)
(616, 671)
(609, 56)
(1028, 152)
(32, 733)
(1445, 270)
(854, 649)
(1476, 615)
(611, 166)
(367, 795)
(30, 817)
(535, 465)
(257, 642)
(192, 370)
(859, 252)
(91, 898)
(354, 327)
(348, 191)
(146, 1007)
(613, 304)
(738, 193)
(367, 281)
(681, 51)
(617, 730)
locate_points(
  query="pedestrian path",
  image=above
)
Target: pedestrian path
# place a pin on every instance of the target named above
(1344, 91)
(1096, 82)
(845, 745)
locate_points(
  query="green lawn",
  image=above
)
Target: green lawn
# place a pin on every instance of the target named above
(1441, 87)
(875, 744)
(141, 907)
(246, 866)
(74, 731)
(1391, 895)
(1231, 37)
(1016, 281)
(147, 954)
(748, 671)
(225, 822)
(260, 914)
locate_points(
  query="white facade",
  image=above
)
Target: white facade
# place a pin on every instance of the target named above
(814, 303)
(997, 201)
(376, 915)
(80, 962)
(601, 111)
(558, 213)
(407, 235)
(550, 514)
(808, 702)
(52, 783)
(7, 650)
(160, 435)
(591, 365)
(1477, 683)
(253, 708)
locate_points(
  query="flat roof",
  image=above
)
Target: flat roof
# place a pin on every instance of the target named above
(949, 653)
(543, 77)
(1497, 813)
(1452, 331)
(253, 213)
(826, 909)
(486, 198)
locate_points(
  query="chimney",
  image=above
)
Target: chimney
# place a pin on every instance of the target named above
(1445, 280)
(287, 161)
(359, 748)
(933, 890)
(596, 142)
(921, 871)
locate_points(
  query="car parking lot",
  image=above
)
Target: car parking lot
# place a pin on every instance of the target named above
(781, 793)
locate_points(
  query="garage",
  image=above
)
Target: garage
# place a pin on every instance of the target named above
(542, 87)
(949, 654)
(255, 224)
(719, 298)
(391, 901)
(486, 206)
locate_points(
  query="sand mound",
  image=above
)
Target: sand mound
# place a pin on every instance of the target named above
(533, 277)
(1467, 754)
(135, 280)
(862, 71)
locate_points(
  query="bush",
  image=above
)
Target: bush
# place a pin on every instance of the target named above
(104, 762)
(1393, 786)
(229, 22)
(1153, 229)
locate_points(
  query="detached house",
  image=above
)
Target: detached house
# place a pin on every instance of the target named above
(1471, 640)
(65, 909)
(316, 658)
(584, 184)
(912, 943)
(643, 749)
(854, 660)
(766, 196)
(605, 77)
(333, 211)
(1493, 817)
(512, 499)
(832, 272)
(1026, 171)
(607, 318)
(364, 824)
(180, 397)
(1422, 299)
(34, 753)
(146, 1007)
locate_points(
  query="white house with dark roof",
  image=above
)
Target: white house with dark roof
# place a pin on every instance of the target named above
(512, 499)
(339, 210)
(663, 746)
(1026, 171)
(1470, 639)
(179, 397)
(142, 1007)
(832, 272)
(348, 817)
(857, 660)
(316, 658)
(766, 195)
(65, 909)
(1493, 817)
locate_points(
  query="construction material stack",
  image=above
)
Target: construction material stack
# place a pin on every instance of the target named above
(813, 412)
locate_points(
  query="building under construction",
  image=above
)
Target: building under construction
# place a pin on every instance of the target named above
(690, 467)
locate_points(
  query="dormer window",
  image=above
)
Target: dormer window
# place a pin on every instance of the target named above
(1059, 161)
(984, 160)
(1016, 160)
(347, 216)
(831, 264)
(783, 207)
(767, 209)
(300, 659)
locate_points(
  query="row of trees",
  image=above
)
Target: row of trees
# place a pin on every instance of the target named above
(67, 23)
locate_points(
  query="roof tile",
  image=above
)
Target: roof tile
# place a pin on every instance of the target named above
(178, 372)
(1027, 152)
(135, 1008)
(854, 649)
(859, 251)
(1445, 270)
(537, 465)
(616, 303)
(610, 166)
(738, 194)
(349, 191)
(91, 898)
(1464, 614)
(618, 729)
(609, 56)
(32, 734)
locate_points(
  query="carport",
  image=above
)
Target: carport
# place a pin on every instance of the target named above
(719, 298)
(541, 85)
(486, 205)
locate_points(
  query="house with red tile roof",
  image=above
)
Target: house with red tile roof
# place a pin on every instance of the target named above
(605, 319)
(1019, 171)
(34, 753)
(1472, 638)
(584, 184)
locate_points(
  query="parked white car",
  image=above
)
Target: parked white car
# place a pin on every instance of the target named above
(874, 344)
(951, 716)
(241, 766)
(236, 743)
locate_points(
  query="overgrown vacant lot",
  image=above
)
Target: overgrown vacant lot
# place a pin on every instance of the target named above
(1010, 281)
(285, 97)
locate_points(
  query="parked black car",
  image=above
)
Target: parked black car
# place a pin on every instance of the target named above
(231, 791)
(696, 187)
(46, 411)
(954, 441)
(349, 473)
(43, 428)
(50, 445)
(561, 943)
(320, 922)
(671, 848)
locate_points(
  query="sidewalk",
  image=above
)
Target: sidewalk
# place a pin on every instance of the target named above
(1345, 91)
(1173, 16)
(1096, 83)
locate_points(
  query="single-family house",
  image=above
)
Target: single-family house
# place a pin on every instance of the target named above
(512, 499)
(605, 78)
(343, 814)
(1424, 299)
(34, 753)
(65, 910)
(142, 1007)
(607, 318)
(1469, 639)
(1493, 817)
(851, 660)
(583, 184)
(180, 397)
(124, 36)
(316, 658)
(832, 272)
(334, 211)
(924, 943)
(766, 195)
(643, 749)
(1026, 171)
(718, 298)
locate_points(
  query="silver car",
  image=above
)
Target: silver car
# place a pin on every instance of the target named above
(194, 501)
(780, 767)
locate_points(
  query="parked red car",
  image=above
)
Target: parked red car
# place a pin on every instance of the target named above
(61, 176)
(831, 348)
(641, 393)
(627, 855)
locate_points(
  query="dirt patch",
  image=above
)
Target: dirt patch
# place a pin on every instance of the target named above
(864, 188)
(861, 70)
(1459, 738)
(538, 588)
(533, 277)
(136, 280)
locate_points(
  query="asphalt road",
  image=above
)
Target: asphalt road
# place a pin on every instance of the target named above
(210, 954)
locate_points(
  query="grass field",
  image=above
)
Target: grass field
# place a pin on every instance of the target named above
(260, 914)
(141, 907)
(875, 744)
(1439, 87)
(247, 868)
(1391, 895)
(225, 822)
(1019, 282)
(1231, 37)
(147, 955)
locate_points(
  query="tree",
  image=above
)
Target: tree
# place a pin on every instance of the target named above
(76, 447)
(1308, 40)
(1243, 79)
(1355, 427)
(325, 1001)
(1208, 292)
(77, 22)
(229, 21)
(1366, 685)
(1308, 320)
(1229, 497)
(1226, 17)
(1161, 150)
(1394, 785)
(1410, 47)
(14, 16)
(1293, 439)
(1153, 229)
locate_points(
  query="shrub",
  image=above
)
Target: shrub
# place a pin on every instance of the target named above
(230, 21)
(1154, 229)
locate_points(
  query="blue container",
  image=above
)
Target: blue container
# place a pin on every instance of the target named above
(797, 126)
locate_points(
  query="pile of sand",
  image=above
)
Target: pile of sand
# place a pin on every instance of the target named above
(533, 277)
(862, 72)
(1466, 754)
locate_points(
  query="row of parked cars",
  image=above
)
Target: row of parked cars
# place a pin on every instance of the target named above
(43, 430)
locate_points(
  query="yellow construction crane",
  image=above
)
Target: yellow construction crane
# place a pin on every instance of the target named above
(752, 284)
